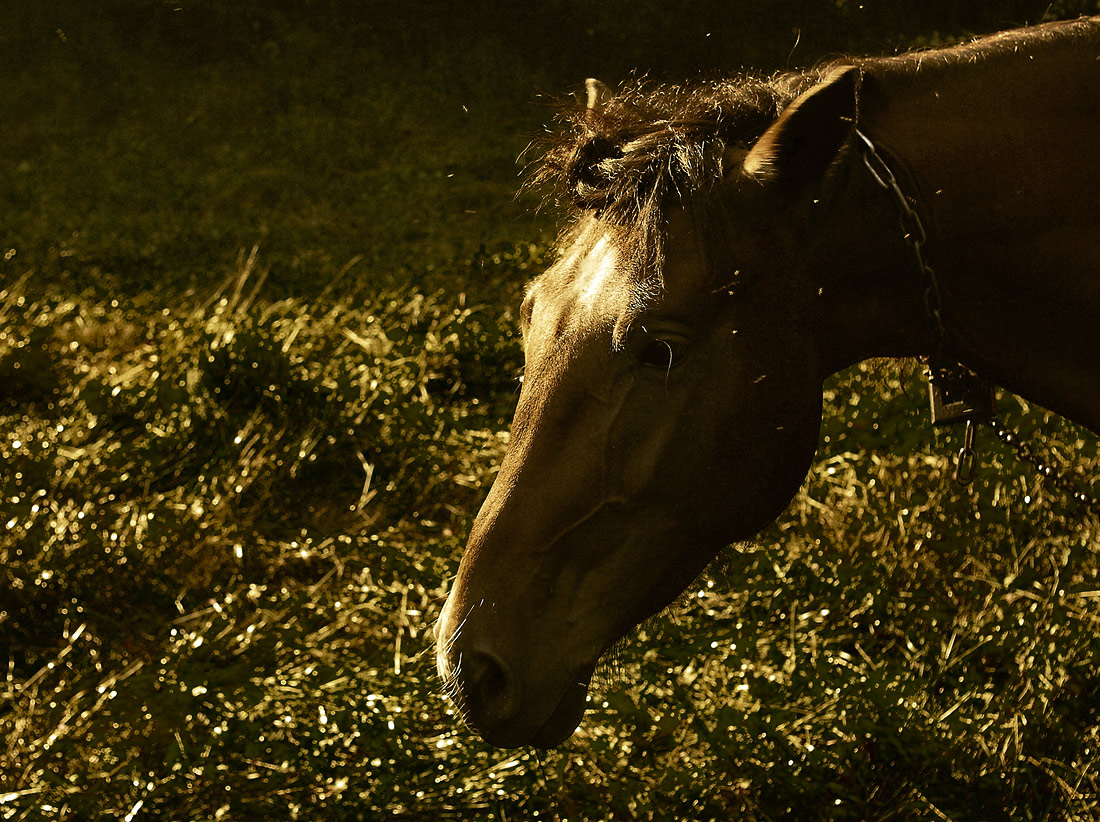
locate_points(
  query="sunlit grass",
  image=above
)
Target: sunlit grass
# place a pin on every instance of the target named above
(229, 526)
(226, 527)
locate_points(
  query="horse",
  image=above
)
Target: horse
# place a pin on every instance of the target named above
(732, 245)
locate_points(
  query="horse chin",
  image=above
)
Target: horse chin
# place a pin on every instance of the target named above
(565, 719)
(557, 728)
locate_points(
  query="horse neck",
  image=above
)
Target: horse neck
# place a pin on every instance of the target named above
(998, 147)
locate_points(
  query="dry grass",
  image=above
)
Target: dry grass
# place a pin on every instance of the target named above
(229, 525)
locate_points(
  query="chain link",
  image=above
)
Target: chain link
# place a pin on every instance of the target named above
(966, 461)
(915, 237)
(1059, 478)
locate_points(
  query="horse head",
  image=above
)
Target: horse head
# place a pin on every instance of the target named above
(670, 404)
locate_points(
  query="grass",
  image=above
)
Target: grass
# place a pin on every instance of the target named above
(235, 484)
(213, 536)
(229, 527)
(136, 161)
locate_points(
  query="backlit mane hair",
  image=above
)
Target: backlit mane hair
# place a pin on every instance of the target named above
(622, 159)
(646, 146)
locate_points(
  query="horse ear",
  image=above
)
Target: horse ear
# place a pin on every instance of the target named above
(799, 147)
(598, 93)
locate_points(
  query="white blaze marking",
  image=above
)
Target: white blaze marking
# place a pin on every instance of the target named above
(598, 266)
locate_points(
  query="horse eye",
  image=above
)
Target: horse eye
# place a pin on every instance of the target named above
(661, 352)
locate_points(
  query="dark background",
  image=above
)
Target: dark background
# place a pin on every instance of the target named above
(151, 142)
(552, 39)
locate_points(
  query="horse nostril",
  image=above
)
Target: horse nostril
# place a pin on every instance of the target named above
(490, 688)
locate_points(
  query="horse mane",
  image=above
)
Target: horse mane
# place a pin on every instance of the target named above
(624, 158)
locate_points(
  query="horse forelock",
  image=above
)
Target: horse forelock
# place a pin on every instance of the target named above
(619, 167)
(645, 145)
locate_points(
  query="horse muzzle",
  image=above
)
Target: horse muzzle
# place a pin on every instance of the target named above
(493, 699)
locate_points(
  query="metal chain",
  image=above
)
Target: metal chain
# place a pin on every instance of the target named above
(1059, 478)
(966, 461)
(941, 362)
(913, 230)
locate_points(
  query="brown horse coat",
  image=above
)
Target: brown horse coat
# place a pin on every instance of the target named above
(731, 250)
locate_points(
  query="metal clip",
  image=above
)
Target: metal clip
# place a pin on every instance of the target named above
(958, 395)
